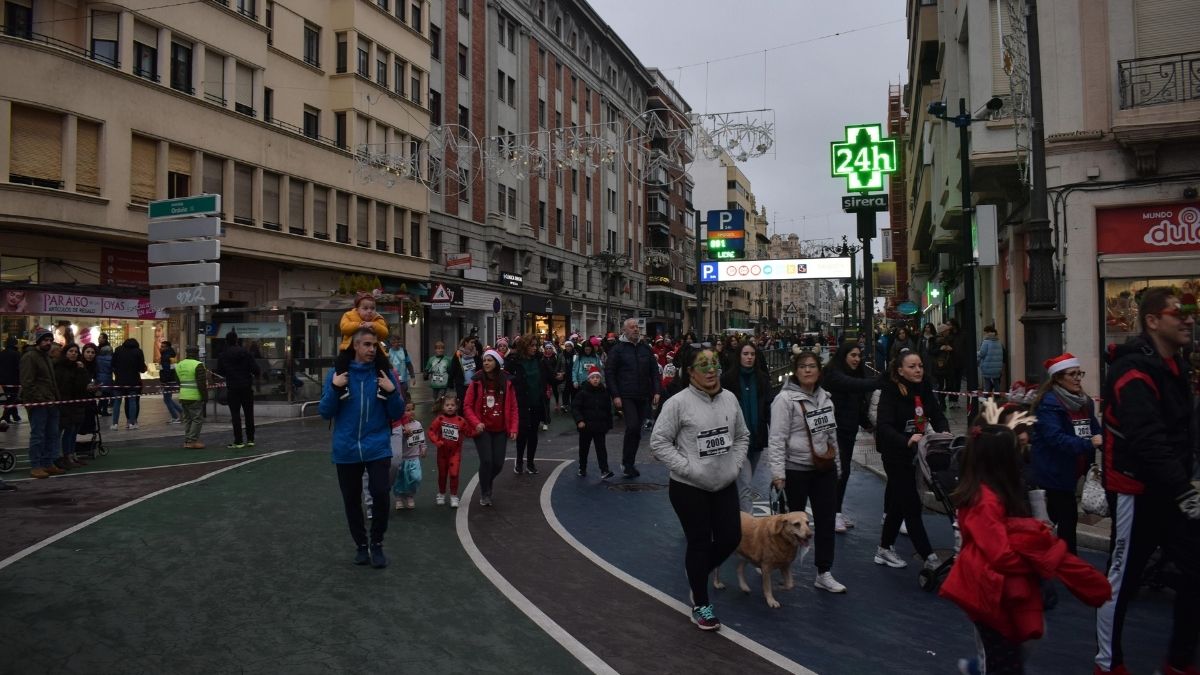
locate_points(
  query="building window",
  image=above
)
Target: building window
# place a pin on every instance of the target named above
(339, 129)
(268, 104)
(243, 100)
(414, 237)
(381, 68)
(587, 226)
(435, 43)
(246, 8)
(36, 151)
(612, 200)
(512, 202)
(464, 121)
(181, 67)
(177, 185)
(558, 27)
(541, 113)
(558, 222)
(312, 45)
(364, 57)
(243, 194)
(416, 19)
(18, 19)
(541, 216)
(512, 93)
(384, 5)
(435, 107)
(270, 18)
(415, 85)
(105, 31)
(145, 51)
(574, 227)
(464, 55)
(464, 7)
(342, 51)
(312, 122)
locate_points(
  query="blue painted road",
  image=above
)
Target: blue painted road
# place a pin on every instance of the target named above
(884, 624)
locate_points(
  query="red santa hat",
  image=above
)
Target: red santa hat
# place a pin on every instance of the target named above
(595, 370)
(1060, 363)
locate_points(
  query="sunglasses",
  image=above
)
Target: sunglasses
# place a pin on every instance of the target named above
(1178, 312)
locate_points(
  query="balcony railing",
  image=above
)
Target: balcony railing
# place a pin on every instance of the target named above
(58, 44)
(1155, 80)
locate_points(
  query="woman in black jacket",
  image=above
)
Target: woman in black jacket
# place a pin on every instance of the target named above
(747, 378)
(907, 410)
(128, 364)
(73, 380)
(850, 388)
(531, 376)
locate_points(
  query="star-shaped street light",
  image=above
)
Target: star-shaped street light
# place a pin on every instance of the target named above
(863, 158)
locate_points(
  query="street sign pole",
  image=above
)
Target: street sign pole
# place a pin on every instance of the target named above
(866, 228)
(186, 229)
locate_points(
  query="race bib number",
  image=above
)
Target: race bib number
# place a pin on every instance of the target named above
(416, 438)
(820, 420)
(439, 379)
(468, 367)
(714, 442)
(450, 432)
(1083, 428)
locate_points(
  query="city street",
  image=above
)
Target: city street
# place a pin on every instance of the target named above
(222, 562)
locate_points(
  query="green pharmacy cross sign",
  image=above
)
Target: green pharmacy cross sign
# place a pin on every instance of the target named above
(863, 157)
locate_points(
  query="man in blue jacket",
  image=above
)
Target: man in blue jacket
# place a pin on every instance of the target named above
(362, 440)
(631, 372)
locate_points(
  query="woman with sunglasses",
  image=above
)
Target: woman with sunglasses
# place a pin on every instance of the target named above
(702, 438)
(1065, 439)
(802, 454)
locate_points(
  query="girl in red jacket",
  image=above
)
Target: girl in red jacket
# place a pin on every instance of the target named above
(1005, 552)
(446, 432)
(491, 412)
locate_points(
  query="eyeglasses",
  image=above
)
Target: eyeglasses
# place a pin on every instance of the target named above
(701, 345)
(807, 366)
(1178, 312)
(1078, 374)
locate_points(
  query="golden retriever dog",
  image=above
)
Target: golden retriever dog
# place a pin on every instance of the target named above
(770, 542)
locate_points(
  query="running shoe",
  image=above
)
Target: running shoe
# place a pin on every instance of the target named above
(517, 469)
(249, 444)
(839, 524)
(606, 475)
(236, 446)
(705, 618)
(440, 499)
(378, 559)
(826, 582)
(454, 501)
(545, 427)
(889, 557)
(849, 523)
(114, 427)
(485, 500)
(531, 468)
(932, 562)
(361, 556)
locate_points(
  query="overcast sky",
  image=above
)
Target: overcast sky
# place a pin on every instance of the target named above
(815, 88)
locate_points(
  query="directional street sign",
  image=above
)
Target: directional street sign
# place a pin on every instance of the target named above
(187, 228)
(863, 157)
(184, 251)
(190, 296)
(198, 205)
(196, 273)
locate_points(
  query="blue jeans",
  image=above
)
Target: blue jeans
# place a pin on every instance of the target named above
(173, 408)
(43, 435)
(133, 406)
(67, 434)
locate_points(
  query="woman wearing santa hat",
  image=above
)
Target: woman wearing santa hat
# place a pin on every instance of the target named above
(1065, 438)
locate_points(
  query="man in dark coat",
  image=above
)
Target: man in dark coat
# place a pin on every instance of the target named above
(239, 369)
(10, 375)
(631, 372)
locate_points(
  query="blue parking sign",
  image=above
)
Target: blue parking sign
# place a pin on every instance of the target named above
(708, 272)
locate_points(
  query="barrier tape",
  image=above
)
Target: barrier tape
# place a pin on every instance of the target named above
(102, 386)
(96, 399)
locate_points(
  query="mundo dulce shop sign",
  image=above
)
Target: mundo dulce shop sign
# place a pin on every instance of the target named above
(72, 304)
(1159, 228)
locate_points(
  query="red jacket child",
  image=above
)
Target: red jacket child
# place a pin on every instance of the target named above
(446, 432)
(996, 578)
(493, 405)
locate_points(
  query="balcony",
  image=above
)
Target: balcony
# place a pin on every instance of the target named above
(1156, 80)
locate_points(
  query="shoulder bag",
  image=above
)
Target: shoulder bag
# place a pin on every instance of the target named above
(826, 462)
(1094, 499)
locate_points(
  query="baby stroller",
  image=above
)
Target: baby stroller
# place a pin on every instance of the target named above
(88, 441)
(937, 457)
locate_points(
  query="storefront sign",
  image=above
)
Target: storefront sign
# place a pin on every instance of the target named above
(1159, 228)
(458, 261)
(119, 267)
(71, 304)
(510, 279)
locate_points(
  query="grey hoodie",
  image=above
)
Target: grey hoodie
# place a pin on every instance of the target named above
(702, 439)
(787, 441)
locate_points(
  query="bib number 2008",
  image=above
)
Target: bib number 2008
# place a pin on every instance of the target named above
(714, 442)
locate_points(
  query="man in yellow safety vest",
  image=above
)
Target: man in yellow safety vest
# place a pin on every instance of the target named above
(193, 394)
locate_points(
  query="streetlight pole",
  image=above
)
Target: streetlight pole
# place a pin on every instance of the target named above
(963, 121)
(609, 262)
(1043, 321)
(848, 251)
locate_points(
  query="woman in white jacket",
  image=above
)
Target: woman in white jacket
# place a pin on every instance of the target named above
(802, 454)
(702, 438)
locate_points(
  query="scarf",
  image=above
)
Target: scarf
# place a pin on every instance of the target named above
(1073, 402)
(532, 379)
(749, 400)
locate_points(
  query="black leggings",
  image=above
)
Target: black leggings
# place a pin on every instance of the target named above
(585, 439)
(821, 486)
(527, 438)
(712, 525)
(350, 482)
(1064, 513)
(491, 446)
(241, 402)
(1000, 657)
(903, 504)
(845, 443)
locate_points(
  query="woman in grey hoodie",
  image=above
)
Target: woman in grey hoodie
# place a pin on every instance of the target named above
(702, 438)
(802, 454)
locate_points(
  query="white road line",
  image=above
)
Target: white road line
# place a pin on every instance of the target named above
(586, 656)
(737, 638)
(147, 468)
(101, 516)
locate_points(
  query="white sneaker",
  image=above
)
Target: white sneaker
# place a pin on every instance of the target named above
(826, 582)
(439, 499)
(904, 528)
(114, 427)
(849, 523)
(454, 501)
(889, 557)
(932, 562)
(839, 524)
(545, 427)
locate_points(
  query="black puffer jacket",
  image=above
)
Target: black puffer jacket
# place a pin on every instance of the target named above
(593, 406)
(73, 383)
(128, 364)
(631, 370)
(851, 394)
(896, 419)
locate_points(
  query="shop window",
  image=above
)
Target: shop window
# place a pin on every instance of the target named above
(36, 148)
(1121, 300)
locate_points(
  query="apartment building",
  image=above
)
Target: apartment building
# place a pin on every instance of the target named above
(805, 306)
(105, 108)
(1121, 129)
(670, 219)
(555, 245)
